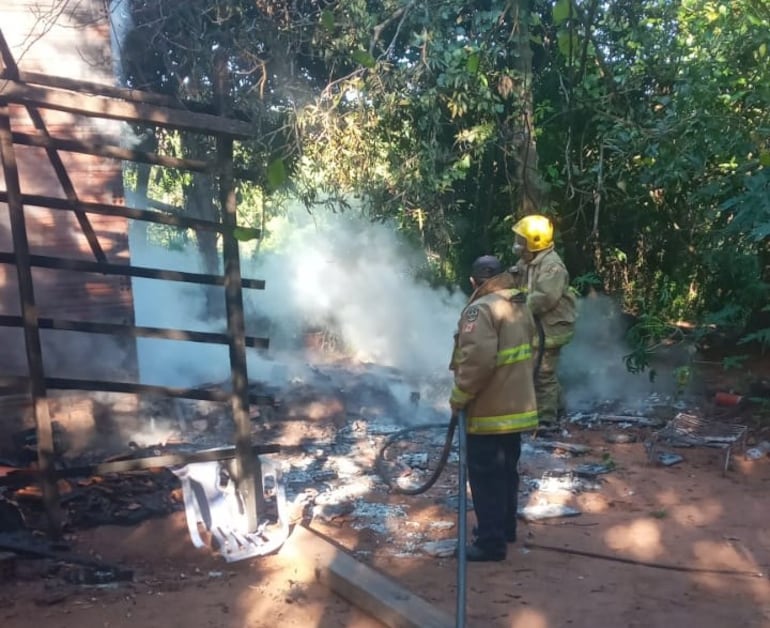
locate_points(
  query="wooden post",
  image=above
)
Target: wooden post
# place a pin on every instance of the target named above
(248, 472)
(45, 447)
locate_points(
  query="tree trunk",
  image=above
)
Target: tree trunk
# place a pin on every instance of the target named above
(199, 202)
(149, 143)
(531, 187)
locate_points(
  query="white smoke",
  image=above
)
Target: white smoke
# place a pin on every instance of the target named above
(592, 368)
(358, 276)
(327, 270)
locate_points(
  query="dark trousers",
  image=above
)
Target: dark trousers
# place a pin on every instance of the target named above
(493, 473)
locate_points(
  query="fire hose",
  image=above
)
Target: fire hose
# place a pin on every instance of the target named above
(457, 420)
(380, 461)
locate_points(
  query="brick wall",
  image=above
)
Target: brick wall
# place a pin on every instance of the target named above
(75, 45)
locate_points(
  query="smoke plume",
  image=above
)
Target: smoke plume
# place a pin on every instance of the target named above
(592, 369)
(335, 272)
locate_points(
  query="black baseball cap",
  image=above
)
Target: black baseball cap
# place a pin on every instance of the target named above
(485, 267)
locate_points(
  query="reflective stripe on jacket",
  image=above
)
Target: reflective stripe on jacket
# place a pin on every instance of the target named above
(493, 362)
(554, 341)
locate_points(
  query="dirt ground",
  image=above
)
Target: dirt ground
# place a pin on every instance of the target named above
(707, 533)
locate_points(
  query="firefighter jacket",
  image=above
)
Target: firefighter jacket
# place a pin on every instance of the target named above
(493, 362)
(549, 296)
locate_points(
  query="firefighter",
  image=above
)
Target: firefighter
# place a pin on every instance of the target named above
(541, 272)
(493, 384)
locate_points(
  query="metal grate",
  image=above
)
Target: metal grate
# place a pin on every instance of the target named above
(687, 430)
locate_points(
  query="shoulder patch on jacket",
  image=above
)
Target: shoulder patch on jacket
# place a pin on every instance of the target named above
(551, 270)
(471, 313)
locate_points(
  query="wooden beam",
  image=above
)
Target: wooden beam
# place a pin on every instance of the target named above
(248, 475)
(253, 342)
(11, 71)
(131, 95)
(31, 332)
(6, 57)
(105, 209)
(98, 89)
(14, 478)
(129, 154)
(14, 384)
(164, 207)
(369, 590)
(115, 109)
(125, 270)
(114, 152)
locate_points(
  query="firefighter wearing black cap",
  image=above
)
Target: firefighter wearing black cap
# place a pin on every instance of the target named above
(493, 383)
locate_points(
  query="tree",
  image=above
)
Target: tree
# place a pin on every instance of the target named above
(256, 51)
(428, 114)
(639, 126)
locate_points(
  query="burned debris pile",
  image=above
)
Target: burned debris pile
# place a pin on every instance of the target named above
(110, 499)
(330, 421)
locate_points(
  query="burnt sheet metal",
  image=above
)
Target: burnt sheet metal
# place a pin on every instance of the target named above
(211, 498)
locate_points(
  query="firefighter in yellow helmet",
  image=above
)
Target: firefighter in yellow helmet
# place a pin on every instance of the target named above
(543, 274)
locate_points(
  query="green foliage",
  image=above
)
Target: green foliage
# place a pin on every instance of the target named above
(731, 362)
(425, 133)
(169, 237)
(666, 125)
(682, 377)
(761, 336)
(647, 121)
(647, 335)
(586, 281)
(363, 58)
(276, 174)
(244, 235)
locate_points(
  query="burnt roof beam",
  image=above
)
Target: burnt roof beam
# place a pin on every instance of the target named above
(125, 270)
(134, 331)
(131, 95)
(159, 217)
(117, 109)
(125, 154)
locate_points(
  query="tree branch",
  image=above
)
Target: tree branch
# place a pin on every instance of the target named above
(399, 14)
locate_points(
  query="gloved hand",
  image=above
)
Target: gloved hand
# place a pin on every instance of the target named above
(458, 400)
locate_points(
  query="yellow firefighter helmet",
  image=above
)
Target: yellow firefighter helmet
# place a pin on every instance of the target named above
(536, 230)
